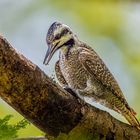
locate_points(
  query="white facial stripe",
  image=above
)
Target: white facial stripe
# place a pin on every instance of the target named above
(66, 26)
(64, 39)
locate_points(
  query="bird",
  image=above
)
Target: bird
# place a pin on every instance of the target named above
(80, 69)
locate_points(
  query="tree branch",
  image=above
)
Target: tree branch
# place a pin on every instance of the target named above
(53, 110)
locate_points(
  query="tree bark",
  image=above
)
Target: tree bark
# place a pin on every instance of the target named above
(26, 88)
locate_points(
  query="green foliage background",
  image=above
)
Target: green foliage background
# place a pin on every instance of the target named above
(111, 27)
(9, 131)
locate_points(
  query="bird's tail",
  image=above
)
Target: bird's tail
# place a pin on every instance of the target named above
(131, 118)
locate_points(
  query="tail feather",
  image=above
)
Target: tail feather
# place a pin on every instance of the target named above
(130, 117)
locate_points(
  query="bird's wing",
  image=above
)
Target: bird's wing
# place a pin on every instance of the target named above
(59, 75)
(62, 80)
(96, 67)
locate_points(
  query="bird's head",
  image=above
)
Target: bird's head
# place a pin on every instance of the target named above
(58, 35)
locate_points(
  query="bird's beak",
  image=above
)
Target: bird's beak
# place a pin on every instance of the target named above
(49, 54)
(48, 57)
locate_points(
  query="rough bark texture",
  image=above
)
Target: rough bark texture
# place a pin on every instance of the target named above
(54, 111)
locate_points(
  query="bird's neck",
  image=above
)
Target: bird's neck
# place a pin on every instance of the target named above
(67, 48)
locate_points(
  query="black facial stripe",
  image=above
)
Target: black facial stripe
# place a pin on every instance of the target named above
(58, 36)
(65, 31)
(70, 42)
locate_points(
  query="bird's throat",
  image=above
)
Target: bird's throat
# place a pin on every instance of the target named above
(65, 50)
(67, 47)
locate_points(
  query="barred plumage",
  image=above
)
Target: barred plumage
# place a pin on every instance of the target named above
(82, 70)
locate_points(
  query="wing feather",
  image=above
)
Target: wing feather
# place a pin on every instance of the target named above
(97, 68)
(59, 75)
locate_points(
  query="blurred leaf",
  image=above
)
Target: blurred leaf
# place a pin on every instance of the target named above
(8, 131)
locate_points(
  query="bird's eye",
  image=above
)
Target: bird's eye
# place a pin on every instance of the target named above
(65, 31)
(57, 37)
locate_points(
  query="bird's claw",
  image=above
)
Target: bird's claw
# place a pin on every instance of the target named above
(68, 89)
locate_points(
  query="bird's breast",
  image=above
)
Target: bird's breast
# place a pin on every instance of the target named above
(73, 71)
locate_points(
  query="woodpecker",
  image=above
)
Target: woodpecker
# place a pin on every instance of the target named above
(80, 69)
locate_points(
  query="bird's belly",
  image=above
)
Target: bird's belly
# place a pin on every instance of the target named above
(75, 74)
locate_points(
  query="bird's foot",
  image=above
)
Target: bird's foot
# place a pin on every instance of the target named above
(80, 95)
(68, 89)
